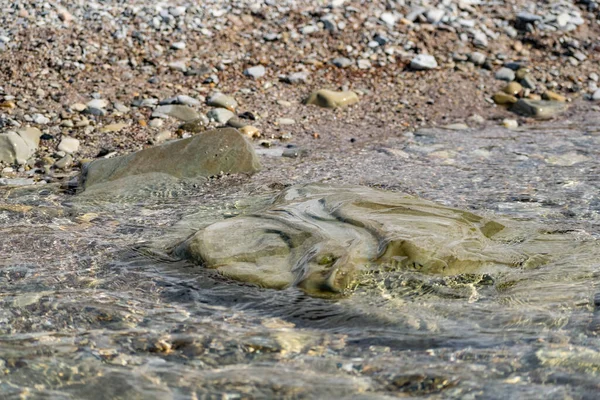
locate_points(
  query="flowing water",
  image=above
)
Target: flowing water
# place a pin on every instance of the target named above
(145, 293)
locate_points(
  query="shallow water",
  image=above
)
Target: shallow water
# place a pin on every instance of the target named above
(94, 304)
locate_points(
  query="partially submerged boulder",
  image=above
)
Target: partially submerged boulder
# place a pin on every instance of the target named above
(539, 109)
(219, 151)
(319, 237)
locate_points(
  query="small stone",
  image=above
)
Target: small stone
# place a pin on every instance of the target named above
(64, 162)
(83, 122)
(295, 152)
(120, 107)
(476, 118)
(527, 17)
(477, 58)
(331, 99)
(187, 101)
(113, 127)
(342, 62)
(552, 96)
(178, 45)
(40, 119)
(196, 126)
(236, 122)
(539, 109)
(285, 121)
(69, 145)
(296, 78)
(255, 72)
(178, 66)
(271, 37)
(96, 103)
(423, 62)
(434, 15)
(308, 29)
(161, 137)
(415, 13)
(533, 96)
(480, 39)
(503, 98)
(364, 64)
(7, 105)
(459, 126)
(528, 82)
(99, 112)
(521, 73)
(220, 115)
(388, 18)
(593, 77)
(563, 19)
(180, 112)
(223, 101)
(156, 123)
(510, 123)
(250, 131)
(596, 95)
(505, 74)
(513, 88)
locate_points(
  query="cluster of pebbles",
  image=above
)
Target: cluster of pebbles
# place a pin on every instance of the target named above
(99, 78)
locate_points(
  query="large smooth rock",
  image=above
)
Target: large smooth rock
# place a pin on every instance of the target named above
(207, 154)
(318, 237)
(540, 109)
(331, 99)
(18, 147)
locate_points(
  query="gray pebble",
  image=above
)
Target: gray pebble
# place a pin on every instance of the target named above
(423, 61)
(477, 58)
(220, 115)
(255, 72)
(342, 62)
(505, 74)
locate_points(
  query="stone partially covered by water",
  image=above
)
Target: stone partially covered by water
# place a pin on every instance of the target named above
(540, 109)
(319, 237)
(219, 151)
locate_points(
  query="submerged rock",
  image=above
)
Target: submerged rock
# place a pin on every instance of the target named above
(319, 237)
(540, 109)
(331, 99)
(210, 153)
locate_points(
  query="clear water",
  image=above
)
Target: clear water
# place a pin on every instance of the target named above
(91, 307)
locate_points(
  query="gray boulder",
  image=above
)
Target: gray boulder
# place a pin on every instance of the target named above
(204, 155)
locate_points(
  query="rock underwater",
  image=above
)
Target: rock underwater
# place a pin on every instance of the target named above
(320, 238)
